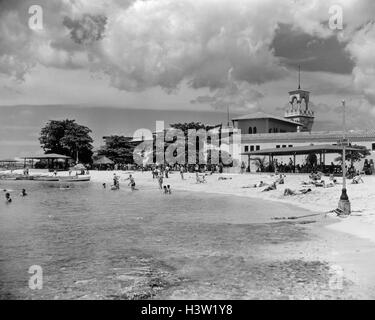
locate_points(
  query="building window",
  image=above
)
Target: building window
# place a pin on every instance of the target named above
(373, 146)
(246, 148)
(284, 145)
(255, 130)
(278, 146)
(290, 146)
(257, 147)
(250, 130)
(251, 148)
(270, 130)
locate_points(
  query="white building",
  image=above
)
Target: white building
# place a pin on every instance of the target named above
(261, 131)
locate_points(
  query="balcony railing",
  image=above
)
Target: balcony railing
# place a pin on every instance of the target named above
(308, 113)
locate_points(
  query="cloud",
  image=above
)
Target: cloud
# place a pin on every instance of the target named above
(239, 96)
(167, 43)
(87, 29)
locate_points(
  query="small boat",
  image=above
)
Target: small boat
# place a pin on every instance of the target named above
(46, 178)
(74, 178)
(8, 178)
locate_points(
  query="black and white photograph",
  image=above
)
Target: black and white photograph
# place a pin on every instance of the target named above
(187, 150)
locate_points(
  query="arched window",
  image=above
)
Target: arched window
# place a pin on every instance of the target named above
(250, 130)
(255, 130)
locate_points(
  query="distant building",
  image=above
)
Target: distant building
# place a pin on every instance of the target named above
(261, 122)
(260, 131)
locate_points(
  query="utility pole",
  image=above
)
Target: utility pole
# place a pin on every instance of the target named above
(228, 115)
(344, 203)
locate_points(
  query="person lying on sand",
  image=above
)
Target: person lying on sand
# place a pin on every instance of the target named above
(200, 179)
(280, 179)
(332, 178)
(357, 179)
(261, 184)
(224, 178)
(315, 176)
(270, 187)
(320, 183)
(290, 192)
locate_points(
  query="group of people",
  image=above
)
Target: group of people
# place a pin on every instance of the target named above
(8, 198)
(116, 182)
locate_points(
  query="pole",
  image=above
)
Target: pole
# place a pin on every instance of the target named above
(228, 114)
(344, 203)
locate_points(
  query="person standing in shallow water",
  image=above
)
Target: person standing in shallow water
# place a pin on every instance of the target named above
(182, 172)
(8, 199)
(23, 193)
(160, 180)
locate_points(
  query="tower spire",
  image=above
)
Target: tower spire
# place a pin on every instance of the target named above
(299, 77)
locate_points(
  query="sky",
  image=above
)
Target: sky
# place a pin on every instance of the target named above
(120, 65)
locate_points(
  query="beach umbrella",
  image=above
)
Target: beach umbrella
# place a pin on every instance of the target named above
(103, 160)
(79, 166)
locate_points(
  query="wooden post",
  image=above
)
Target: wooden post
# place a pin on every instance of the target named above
(294, 162)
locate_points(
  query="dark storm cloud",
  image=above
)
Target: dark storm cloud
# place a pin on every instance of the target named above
(296, 47)
(87, 29)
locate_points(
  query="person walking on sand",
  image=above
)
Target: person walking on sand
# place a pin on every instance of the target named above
(169, 189)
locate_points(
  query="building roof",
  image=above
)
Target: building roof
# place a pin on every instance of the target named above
(326, 148)
(306, 137)
(263, 115)
(48, 156)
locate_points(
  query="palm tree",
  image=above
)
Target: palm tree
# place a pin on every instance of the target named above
(260, 163)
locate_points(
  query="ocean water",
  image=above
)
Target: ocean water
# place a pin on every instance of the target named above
(93, 243)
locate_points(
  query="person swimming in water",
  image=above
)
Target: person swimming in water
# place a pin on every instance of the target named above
(65, 188)
(8, 199)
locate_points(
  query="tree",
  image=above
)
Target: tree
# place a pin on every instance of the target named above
(260, 163)
(312, 159)
(68, 138)
(185, 127)
(119, 149)
(354, 156)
